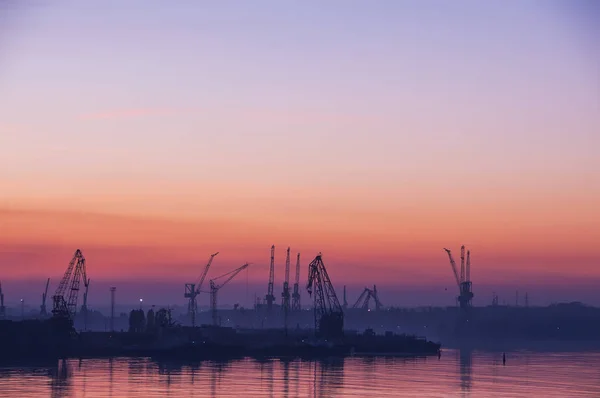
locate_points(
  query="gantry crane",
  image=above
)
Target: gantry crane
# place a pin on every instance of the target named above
(192, 290)
(214, 289)
(329, 316)
(270, 297)
(296, 295)
(44, 296)
(463, 281)
(285, 294)
(365, 298)
(65, 307)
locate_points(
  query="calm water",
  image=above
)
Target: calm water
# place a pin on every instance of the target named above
(456, 374)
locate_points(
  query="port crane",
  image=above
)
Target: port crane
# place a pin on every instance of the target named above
(365, 299)
(65, 296)
(463, 280)
(214, 289)
(285, 294)
(192, 290)
(43, 310)
(296, 295)
(270, 298)
(329, 316)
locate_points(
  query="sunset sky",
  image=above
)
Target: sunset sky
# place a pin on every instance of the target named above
(150, 135)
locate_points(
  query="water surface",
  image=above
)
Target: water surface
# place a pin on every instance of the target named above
(455, 374)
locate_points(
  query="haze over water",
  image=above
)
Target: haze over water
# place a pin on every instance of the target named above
(456, 374)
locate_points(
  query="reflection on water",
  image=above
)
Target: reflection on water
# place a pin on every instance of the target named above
(456, 373)
(466, 367)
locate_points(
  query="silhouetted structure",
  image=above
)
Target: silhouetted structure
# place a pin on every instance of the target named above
(137, 321)
(463, 281)
(365, 298)
(285, 294)
(192, 290)
(214, 289)
(329, 316)
(296, 295)
(43, 310)
(66, 307)
(150, 321)
(270, 297)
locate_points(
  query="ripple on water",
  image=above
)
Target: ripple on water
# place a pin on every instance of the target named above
(456, 374)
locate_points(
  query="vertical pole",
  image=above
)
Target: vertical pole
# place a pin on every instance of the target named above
(112, 308)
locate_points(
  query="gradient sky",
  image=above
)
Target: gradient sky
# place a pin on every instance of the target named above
(150, 135)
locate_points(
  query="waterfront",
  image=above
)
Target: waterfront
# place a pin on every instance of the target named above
(455, 374)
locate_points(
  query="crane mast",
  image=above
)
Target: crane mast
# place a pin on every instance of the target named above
(329, 316)
(362, 301)
(465, 296)
(65, 296)
(462, 263)
(214, 289)
(43, 310)
(285, 295)
(270, 298)
(192, 290)
(296, 295)
(365, 299)
(453, 265)
(468, 272)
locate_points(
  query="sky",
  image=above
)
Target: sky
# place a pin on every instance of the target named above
(151, 134)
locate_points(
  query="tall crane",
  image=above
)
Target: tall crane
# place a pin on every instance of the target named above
(285, 295)
(296, 295)
(365, 299)
(465, 296)
(468, 272)
(270, 298)
(462, 263)
(214, 289)
(2, 307)
(192, 290)
(65, 306)
(44, 296)
(329, 316)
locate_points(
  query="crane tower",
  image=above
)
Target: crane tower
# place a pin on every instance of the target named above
(296, 294)
(214, 289)
(463, 281)
(285, 295)
(329, 316)
(192, 290)
(270, 297)
(65, 297)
